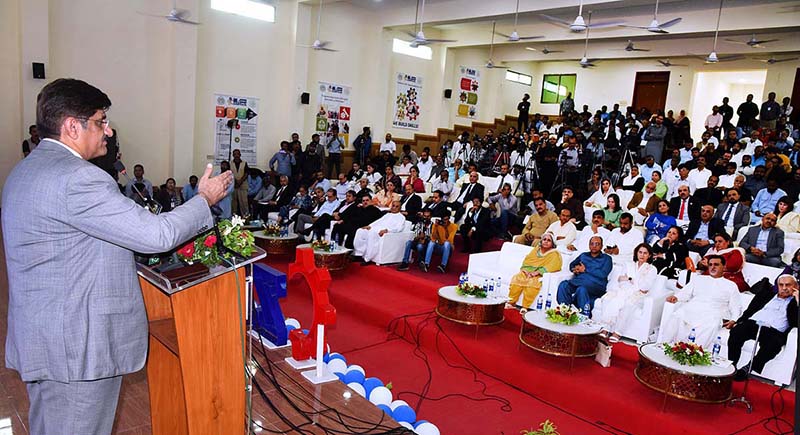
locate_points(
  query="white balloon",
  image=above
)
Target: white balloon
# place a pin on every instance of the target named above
(380, 396)
(357, 367)
(397, 403)
(292, 322)
(337, 366)
(427, 429)
(358, 388)
(406, 425)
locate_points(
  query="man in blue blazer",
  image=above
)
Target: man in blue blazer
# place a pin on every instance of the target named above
(76, 318)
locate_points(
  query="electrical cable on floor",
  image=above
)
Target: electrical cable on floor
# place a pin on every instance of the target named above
(775, 417)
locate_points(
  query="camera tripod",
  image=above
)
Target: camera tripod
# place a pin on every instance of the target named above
(625, 164)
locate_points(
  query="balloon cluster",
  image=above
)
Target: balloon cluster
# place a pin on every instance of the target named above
(373, 390)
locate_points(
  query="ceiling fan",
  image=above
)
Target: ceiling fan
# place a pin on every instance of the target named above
(514, 36)
(631, 47)
(317, 44)
(545, 50)
(587, 63)
(176, 15)
(667, 63)
(753, 41)
(490, 63)
(419, 37)
(772, 60)
(654, 26)
(578, 25)
(713, 57)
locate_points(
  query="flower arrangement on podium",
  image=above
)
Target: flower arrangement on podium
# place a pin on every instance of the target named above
(564, 314)
(204, 248)
(688, 354)
(470, 290)
(321, 245)
(272, 230)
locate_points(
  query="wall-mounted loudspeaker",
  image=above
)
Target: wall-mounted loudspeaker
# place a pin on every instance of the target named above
(38, 70)
(304, 98)
(448, 93)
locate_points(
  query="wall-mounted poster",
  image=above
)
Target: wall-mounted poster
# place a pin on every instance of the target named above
(333, 109)
(468, 85)
(241, 135)
(407, 102)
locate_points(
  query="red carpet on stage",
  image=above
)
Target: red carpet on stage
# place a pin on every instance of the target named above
(489, 384)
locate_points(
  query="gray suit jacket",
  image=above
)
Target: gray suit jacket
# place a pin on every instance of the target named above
(774, 241)
(741, 216)
(75, 309)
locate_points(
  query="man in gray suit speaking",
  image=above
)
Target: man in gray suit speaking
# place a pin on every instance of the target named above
(76, 318)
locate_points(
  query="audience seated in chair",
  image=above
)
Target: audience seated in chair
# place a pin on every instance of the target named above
(705, 301)
(504, 206)
(777, 315)
(644, 203)
(658, 223)
(384, 198)
(563, 229)
(591, 270)
(733, 213)
(700, 235)
(763, 244)
(422, 236)
(574, 205)
(443, 184)
(442, 241)
(708, 195)
(344, 229)
(670, 254)
(437, 206)
(366, 240)
(597, 228)
(734, 260)
(538, 222)
(623, 240)
(468, 192)
(626, 290)
(475, 230)
(410, 203)
(543, 258)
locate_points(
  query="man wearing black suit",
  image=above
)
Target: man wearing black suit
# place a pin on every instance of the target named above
(363, 214)
(777, 315)
(708, 195)
(410, 203)
(438, 207)
(467, 193)
(679, 206)
(475, 230)
(733, 213)
(346, 209)
(701, 232)
(283, 196)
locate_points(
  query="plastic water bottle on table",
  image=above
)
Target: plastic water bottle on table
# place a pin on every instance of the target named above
(692, 335)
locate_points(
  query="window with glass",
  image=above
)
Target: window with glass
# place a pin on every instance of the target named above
(519, 77)
(555, 87)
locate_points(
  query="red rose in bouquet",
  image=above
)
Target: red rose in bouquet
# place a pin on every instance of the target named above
(187, 250)
(210, 241)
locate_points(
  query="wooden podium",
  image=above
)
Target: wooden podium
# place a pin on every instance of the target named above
(195, 370)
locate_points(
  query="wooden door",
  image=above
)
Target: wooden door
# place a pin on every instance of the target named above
(795, 98)
(650, 90)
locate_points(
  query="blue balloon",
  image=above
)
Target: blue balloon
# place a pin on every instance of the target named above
(326, 357)
(305, 331)
(404, 413)
(354, 376)
(370, 383)
(420, 422)
(341, 377)
(385, 408)
(289, 328)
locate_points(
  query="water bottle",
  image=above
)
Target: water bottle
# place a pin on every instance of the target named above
(692, 336)
(587, 310)
(498, 287)
(548, 302)
(539, 302)
(461, 279)
(333, 245)
(486, 285)
(716, 348)
(490, 293)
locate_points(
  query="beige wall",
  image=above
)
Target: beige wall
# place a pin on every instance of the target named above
(12, 131)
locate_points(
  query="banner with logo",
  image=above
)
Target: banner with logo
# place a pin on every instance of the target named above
(333, 110)
(235, 127)
(468, 85)
(407, 101)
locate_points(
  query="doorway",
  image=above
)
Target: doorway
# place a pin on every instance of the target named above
(650, 90)
(710, 87)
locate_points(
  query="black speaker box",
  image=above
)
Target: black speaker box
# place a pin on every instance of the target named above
(38, 70)
(448, 93)
(304, 98)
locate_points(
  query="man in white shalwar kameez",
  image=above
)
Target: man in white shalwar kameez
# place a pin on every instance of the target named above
(367, 239)
(705, 302)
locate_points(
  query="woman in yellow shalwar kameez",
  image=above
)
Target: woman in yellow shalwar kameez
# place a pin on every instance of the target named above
(543, 258)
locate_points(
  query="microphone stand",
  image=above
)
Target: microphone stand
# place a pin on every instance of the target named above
(742, 399)
(231, 123)
(149, 203)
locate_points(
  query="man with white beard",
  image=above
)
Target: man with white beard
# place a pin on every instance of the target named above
(367, 239)
(706, 300)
